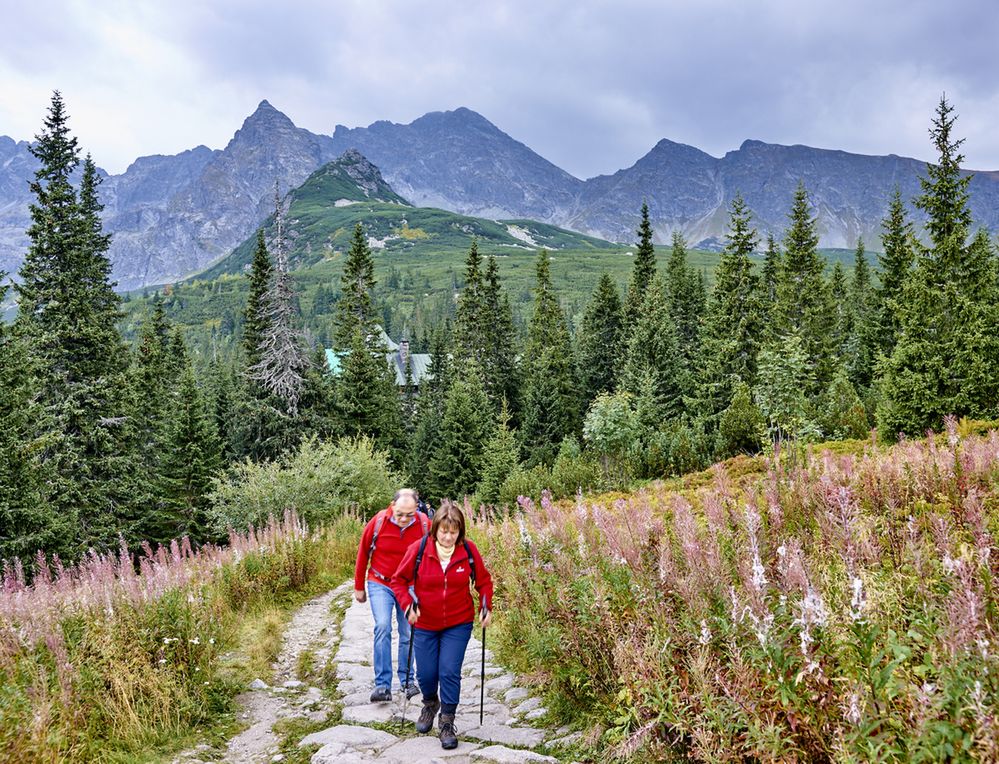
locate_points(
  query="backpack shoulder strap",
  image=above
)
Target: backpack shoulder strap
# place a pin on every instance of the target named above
(471, 561)
(424, 523)
(379, 522)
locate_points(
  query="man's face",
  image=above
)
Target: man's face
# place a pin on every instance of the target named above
(404, 510)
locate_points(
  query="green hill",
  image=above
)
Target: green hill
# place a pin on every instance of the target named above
(322, 212)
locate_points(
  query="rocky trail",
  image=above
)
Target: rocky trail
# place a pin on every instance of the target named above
(337, 691)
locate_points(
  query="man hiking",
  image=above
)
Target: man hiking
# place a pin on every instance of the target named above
(385, 540)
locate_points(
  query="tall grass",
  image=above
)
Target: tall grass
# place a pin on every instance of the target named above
(119, 653)
(843, 608)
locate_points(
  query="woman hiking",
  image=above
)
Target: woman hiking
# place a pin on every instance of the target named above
(432, 585)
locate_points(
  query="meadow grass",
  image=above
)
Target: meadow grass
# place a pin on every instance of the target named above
(123, 658)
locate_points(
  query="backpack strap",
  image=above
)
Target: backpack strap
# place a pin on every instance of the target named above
(416, 570)
(379, 522)
(471, 561)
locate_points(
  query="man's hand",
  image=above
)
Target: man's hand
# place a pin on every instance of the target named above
(360, 595)
(413, 615)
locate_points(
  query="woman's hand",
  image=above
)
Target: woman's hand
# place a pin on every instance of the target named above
(486, 617)
(413, 615)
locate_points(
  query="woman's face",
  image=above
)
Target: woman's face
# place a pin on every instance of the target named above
(447, 535)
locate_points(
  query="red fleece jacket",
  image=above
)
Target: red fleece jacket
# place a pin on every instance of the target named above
(444, 596)
(392, 544)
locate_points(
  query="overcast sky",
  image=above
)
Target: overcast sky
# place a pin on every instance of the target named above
(588, 84)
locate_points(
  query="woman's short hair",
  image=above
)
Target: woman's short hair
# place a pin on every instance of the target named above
(449, 514)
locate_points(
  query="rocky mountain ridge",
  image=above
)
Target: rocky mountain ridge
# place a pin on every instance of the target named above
(172, 216)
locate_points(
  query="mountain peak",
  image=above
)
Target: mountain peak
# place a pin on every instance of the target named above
(267, 115)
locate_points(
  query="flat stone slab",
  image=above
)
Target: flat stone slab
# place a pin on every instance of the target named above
(426, 749)
(537, 713)
(355, 672)
(528, 705)
(504, 755)
(527, 737)
(517, 693)
(380, 712)
(333, 754)
(500, 683)
(351, 736)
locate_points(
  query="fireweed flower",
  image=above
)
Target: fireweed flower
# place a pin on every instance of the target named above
(859, 600)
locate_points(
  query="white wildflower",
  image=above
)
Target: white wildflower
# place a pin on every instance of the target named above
(781, 551)
(853, 712)
(195, 641)
(859, 600)
(162, 661)
(705, 637)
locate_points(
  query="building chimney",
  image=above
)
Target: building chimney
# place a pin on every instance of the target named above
(403, 351)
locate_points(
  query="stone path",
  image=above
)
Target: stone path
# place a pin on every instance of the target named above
(504, 736)
(374, 733)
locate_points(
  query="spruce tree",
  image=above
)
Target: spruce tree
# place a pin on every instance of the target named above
(456, 464)
(500, 457)
(469, 326)
(772, 265)
(551, 405)
(67, 320)
(27, 521)
(686, 299)
(653, 352)
(945, 355)
(355, 309)
(500, 368)
(254, 320)
(643, 270)
(600, 340)
(430, 404)
(283, 362)
(861, 352)
(896, 266)
(804, 305)
(191, 456)
(734, 323)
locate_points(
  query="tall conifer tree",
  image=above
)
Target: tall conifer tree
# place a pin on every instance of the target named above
(944, 359)
(355, 309)
(500, 368)
(733, 326)
(600, 340)
(254, 319)
(643, 270)
(67, 319)
(551, 404)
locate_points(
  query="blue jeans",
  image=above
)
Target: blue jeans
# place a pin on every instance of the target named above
(382, 604)
(439, 655)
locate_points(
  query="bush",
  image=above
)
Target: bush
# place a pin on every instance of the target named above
(320, 481)
(573, 470)
(741, 428)
(524, 482)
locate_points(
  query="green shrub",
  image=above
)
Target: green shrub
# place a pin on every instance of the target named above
(524, 482)
(573, 470)
(320, 481)
(741, 428)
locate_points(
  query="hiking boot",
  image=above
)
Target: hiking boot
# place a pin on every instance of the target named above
(381, 695)
(426, 720)
(411, 691)
(448, 733)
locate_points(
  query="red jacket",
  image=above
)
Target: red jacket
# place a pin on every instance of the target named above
(444, 596)
(392, 544)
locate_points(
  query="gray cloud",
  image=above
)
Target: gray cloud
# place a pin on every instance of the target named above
(590, 85)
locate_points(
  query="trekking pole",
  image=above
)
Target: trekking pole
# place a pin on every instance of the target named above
(409, 676)
(482, 677)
